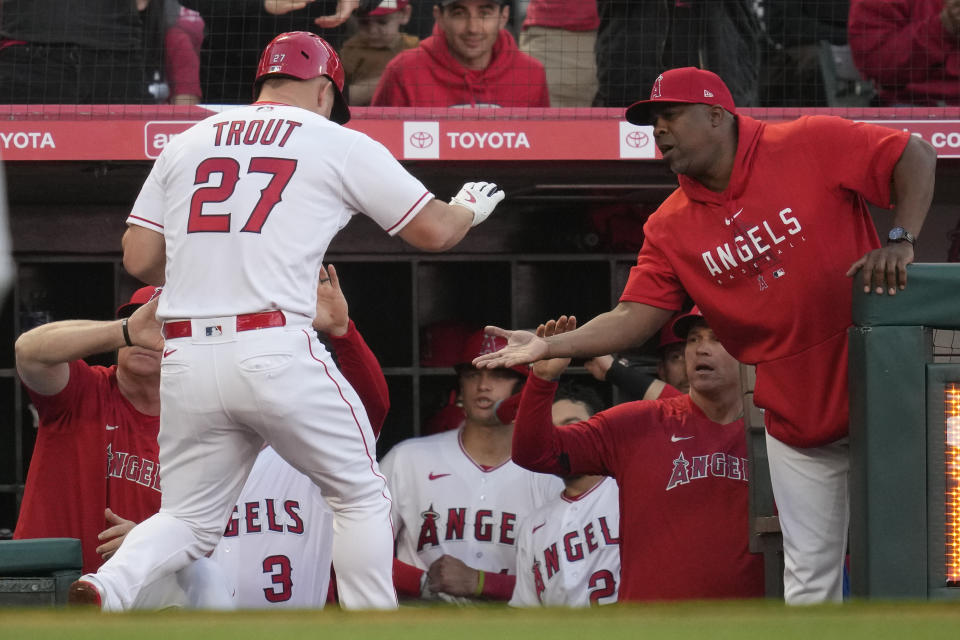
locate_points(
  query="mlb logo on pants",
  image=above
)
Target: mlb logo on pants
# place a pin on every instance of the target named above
(214, 331)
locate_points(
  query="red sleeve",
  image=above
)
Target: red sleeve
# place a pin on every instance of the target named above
(50, 408)
(829, 139)
(498, 586)
(406, 579)
(894, 45)
(653, 281)
(362, 370)
(182, 56)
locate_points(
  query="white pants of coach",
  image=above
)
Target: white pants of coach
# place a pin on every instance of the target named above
(224, 394)
(813, 501)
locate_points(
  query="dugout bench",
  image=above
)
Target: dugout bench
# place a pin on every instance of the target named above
(38, 572)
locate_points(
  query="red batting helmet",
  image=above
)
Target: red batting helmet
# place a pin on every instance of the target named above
(479, 344)
(304, 55)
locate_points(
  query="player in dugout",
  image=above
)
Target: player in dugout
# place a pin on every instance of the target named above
(681, 466)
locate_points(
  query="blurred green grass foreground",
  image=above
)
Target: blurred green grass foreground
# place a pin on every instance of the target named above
(738, 620)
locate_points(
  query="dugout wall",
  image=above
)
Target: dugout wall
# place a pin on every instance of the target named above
(905, 438)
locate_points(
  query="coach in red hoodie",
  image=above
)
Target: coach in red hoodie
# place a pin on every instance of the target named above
(469, 61)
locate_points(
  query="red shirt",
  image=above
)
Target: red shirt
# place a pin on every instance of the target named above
(93, 450)
(683, 490)
(903, 47)
(429, 76)
(766, 259)
(571, 15)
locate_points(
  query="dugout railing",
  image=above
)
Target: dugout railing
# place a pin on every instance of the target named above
(905, 438)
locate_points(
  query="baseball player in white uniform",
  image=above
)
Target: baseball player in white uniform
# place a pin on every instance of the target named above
(459, 500)
(568, 550)
(235, 218)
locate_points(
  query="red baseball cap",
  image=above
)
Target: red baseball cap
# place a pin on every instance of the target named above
(667, 336)
(479, 344)
(141, 296)
(688, 85)
(385, 7)
(683, 324)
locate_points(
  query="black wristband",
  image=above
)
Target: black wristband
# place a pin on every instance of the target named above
(126, 332)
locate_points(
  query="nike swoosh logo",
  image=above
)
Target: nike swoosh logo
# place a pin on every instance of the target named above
(676, 438)
(111, 427)
(434, 476)
(534, 530)
(728, 221)
(168, 352)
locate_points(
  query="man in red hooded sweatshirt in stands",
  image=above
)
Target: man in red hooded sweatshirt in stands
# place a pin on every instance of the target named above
(469, 61)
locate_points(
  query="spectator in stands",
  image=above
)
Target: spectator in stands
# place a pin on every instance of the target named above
(75, 51)
(568, 550)
(791, 75)
(562, 34)
(91, 418)
(457, 497)
(680, 464)
(182, 42)
(469, 61)
(237, 31)
(671, 376)
(909, 48)
(638, 38)
(377, 41)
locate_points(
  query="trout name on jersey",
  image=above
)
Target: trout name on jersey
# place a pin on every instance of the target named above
(261, 132)
(751, 244)
(127, 466)
(717, 465)
(575, 546)
(488, 526)
(265, 516)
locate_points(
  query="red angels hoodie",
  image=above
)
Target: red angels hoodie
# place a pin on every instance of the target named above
(429, 76)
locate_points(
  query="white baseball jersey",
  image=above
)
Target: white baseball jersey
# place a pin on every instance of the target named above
(249, 199)
(277, 548)
(568, 551)
(445, 503)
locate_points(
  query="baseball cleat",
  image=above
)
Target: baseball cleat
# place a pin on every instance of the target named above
(84, 594)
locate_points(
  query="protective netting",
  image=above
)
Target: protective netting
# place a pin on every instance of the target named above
(519, 54)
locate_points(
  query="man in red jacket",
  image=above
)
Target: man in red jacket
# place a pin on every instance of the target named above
(768, 223)
(469, 61)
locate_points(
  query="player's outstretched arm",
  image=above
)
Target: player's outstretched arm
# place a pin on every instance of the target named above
(627, 325)
(43, 354)
(885, 269)
(440, 226)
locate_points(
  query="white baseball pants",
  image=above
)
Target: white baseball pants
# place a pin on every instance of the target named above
(223, 393)
(813, 500)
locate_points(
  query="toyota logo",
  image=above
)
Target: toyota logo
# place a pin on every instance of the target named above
(637, 139)
(421, 139)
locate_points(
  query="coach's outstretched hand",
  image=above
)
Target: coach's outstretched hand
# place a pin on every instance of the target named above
(479, 197)
(523, 347)
(144, 327)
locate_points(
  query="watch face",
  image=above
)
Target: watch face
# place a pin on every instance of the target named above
(897, 233)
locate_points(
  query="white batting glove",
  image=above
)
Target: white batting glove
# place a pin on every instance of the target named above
(480, 197)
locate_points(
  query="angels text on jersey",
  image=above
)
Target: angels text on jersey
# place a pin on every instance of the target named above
(483, 525)
(715, 465)
(133, 468)
(754, 248)
(576, 546)
(269, 515)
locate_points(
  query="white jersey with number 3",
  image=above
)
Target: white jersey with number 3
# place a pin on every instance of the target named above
(445, 503)
(249, 199)
(277, 548)
(568, 551)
